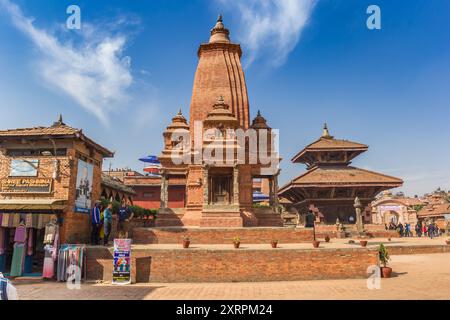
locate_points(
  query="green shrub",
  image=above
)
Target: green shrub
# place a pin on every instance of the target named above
(384, 255)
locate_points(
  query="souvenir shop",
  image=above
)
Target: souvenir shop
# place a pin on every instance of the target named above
(23, 238)
(29, 247)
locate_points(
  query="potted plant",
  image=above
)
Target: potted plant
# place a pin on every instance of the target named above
(186, 242)
(236, 242)
(316, 243)
(384, 259)
(327, 238)
(363, 243)
(274, 243)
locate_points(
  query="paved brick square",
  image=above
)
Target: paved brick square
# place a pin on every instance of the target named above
(424, 276)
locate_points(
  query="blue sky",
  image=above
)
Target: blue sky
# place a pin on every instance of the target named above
(131, 66)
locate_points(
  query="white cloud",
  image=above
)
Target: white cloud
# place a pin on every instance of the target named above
(95, 73)
(270, 27)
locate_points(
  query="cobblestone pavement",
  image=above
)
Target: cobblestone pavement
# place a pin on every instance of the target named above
(424, 276)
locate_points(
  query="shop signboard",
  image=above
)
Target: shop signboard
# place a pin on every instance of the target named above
(83, 197)
(122, 261)
(24, 168)
(26, 185)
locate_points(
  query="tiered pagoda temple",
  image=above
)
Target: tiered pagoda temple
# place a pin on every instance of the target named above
(330, 185)
(218, 193)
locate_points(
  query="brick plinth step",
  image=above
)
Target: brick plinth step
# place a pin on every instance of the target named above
(232, 265)
(248, 235)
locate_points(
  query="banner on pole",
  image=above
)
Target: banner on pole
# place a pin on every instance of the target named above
(122, 261)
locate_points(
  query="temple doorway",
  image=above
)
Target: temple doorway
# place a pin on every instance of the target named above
(221, 186)
(391, 217)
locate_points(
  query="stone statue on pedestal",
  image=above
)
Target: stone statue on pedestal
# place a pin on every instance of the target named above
(359, 221)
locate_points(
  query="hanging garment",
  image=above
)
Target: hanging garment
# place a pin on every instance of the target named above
(29, 220)
(2, 240)
(35, 220)
(14, 220)
(21, 234)
(2, 249)
(5, 220)
(50, 233)
(18, 260)
(49, 262)
(69, 255)
(28, 268)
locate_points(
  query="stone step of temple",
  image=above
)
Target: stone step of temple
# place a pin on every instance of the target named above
(249, 235)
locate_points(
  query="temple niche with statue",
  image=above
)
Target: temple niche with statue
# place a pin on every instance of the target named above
(330, 185)
(219, 192)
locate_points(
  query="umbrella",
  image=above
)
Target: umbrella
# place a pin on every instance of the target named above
(150, 159)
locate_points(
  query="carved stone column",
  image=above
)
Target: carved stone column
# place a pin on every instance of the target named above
(275, 192)
(164, 190)
(271, 202)
(236, 185)
(206, 184)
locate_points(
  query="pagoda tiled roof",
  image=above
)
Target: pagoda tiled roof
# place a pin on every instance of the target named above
(327, 143)
(434, 210)
(330, 144)
(342, 176)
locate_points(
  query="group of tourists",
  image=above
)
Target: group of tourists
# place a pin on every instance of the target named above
(422, 229)
(102, 221)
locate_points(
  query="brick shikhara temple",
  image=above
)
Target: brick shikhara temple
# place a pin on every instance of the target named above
(217, 193)
(330, 185)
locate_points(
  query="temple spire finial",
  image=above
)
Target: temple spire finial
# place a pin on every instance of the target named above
(219, 33)
(326, 132)
(180, 113)
(59, 122)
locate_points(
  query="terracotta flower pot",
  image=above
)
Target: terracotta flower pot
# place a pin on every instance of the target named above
(316, 244)
(386, 272)
(236, 245)
(186, 244)
(327, 239)
(274, 244)
(447, 241)
(363, 243)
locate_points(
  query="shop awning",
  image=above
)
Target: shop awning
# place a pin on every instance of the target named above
(32, 204)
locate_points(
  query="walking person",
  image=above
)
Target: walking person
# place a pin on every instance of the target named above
(400, 229)
(407, 230)
(107, 223)
(418, 230)
(431, 230)
(96, 223)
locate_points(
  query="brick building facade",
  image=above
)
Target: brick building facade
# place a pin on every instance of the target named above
(50, 172)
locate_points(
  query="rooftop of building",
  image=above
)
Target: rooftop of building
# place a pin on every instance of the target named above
(116, 184)
(58, 130)
(329, 143)
(342, 176)
(434, 210)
